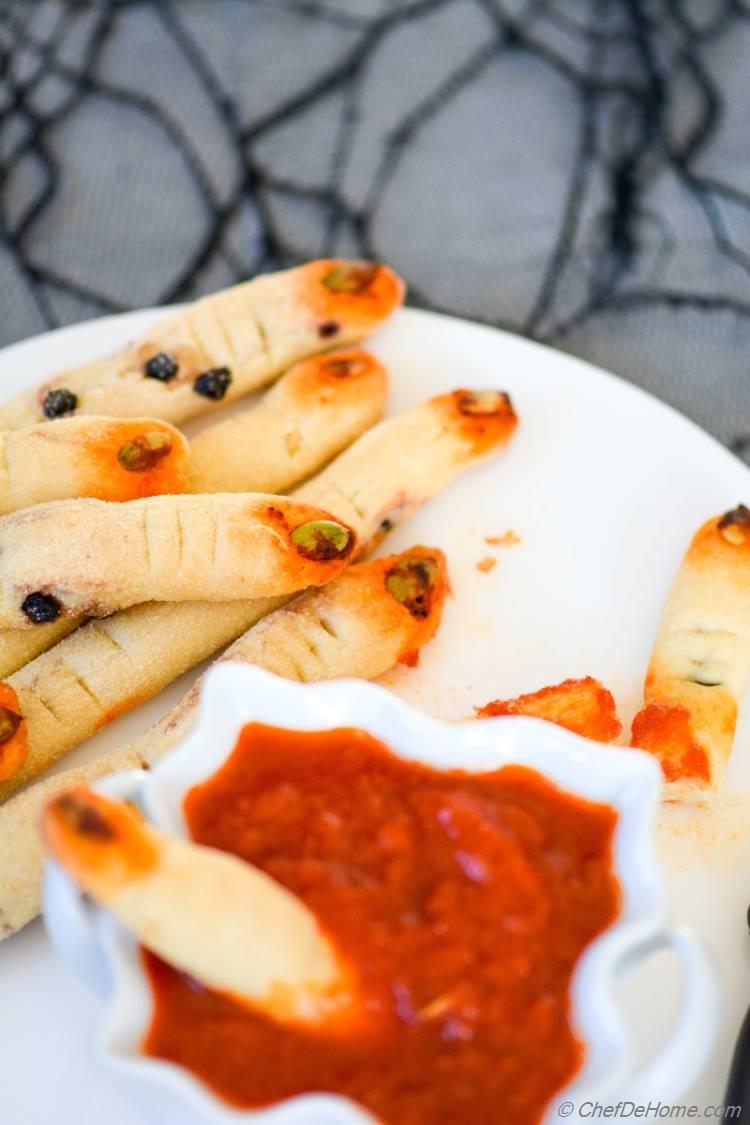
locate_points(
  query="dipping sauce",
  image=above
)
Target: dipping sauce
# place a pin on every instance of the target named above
(464, 900)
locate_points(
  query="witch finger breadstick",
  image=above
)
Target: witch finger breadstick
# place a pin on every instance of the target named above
(238, 931)
(310, 415)
(107, 667)
(220, 347)
(393, 468)
(362, 624)
(377, 614)
(316, 408)
(92, 557)
(70, 692)
(108, 458)
(700, 661)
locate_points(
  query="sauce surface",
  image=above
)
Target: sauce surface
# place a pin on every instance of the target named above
(464, 900)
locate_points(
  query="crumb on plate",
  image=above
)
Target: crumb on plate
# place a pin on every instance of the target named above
(507, 539)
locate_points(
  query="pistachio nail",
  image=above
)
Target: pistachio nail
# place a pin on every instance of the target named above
(484, 402)
(143, 452)
(322, 540)
(734, 526)
(343, 368)
(410, 582)
(83, 817)
(350, 277)
(9, 724)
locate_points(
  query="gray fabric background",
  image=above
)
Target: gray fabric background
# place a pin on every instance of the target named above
(577, 171)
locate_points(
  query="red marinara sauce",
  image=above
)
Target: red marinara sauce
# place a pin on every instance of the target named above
(464, 900)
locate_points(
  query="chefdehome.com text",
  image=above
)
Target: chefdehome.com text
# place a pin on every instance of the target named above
(649, 1111)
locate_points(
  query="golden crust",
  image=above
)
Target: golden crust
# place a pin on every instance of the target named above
(310, 415)
(249, 333)
(236, 930)
(19, 646)
(105, 458)
(108, 667)
(357, 628)
(155, 654)
(700, 661)
(391, 470)
(93, 557)
(583, 706)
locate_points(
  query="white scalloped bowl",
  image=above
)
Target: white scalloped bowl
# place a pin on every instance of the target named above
(106, 955)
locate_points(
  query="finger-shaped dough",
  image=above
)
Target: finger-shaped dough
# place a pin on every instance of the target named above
(700, 661)
(310, 415)
(584, 706)
(220, 347)
(393, 468)
(362, 624)
(107, 667)
(377, 614)
(107, 458)
(19, 646)
(439, 431)
(94, 557)
(210, 914)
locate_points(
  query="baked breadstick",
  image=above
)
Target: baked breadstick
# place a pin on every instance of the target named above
(363, 623)
(221, 347)
(92, 557)
(440, 433)
(237, 930)
(107, 667)
(310, 415)
(391, 470)
(101, 457)
(584, 706)
(700, 661)
(377, 614)
(19, 646)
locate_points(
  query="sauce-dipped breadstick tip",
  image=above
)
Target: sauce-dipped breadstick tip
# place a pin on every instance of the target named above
(208, 913)
(14, 746)
(700, 661)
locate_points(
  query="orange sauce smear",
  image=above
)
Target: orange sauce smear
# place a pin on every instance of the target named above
(665, 730)
(464, 900)
(583, 706)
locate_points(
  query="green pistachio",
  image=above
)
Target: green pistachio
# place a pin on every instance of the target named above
(350, 277)
(410, 582)
(735, 525)
(144, 451)
(483, 402)
(322, 540)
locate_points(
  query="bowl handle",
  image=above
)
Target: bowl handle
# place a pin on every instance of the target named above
(69, 917)
(688, 1047)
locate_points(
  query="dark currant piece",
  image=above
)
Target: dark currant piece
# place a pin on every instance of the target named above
(214, 383)
(41, 608)
(328, 328)
(59, 402)
(162, 366)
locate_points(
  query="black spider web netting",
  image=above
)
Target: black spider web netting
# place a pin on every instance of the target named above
(574, 170)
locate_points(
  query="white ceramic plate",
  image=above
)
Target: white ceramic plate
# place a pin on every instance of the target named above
(605, 486)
